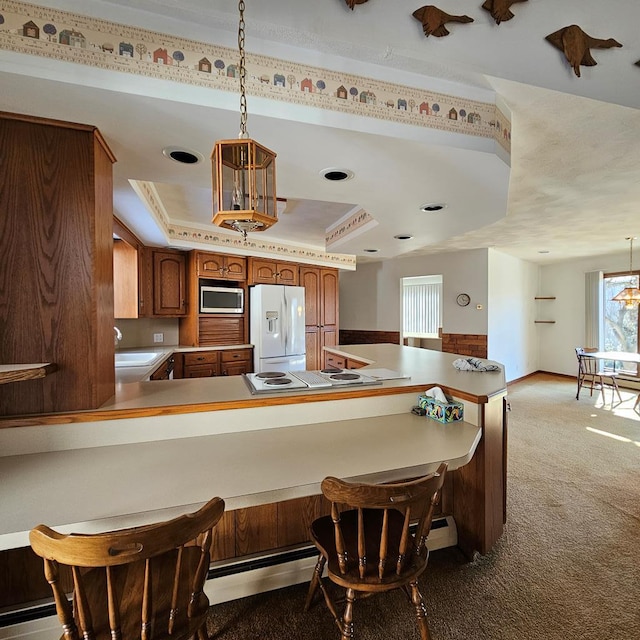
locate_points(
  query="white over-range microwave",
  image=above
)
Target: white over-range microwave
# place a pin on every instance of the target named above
(221, 299)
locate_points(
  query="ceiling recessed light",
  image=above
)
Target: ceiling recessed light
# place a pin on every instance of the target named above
(336, 175)
(370, 250)
(182, 155)
(403, 236)
(432, 206)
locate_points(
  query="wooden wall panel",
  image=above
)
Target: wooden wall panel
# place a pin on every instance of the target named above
(296, 516)
(466, 344)
(56, 269)
(357, 336)
(256, 529)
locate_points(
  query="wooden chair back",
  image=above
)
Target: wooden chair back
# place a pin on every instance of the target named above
(374, 539)
(141, 583)
(587, 366)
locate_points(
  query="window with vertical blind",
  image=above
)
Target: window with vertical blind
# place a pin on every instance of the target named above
(421, 307)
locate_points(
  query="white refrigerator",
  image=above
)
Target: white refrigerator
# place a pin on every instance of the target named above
(276, 328)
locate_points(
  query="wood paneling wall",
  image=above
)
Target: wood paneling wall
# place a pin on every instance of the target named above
(466, 344)
(358, 336)
(56, 267)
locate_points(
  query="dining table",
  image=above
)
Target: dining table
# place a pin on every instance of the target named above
(615, 356)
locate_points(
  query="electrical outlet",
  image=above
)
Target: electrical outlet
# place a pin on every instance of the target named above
(158, 337)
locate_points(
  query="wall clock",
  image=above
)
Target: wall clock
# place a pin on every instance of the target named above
(463, 299)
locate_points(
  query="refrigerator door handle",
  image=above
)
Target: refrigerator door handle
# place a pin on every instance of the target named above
(285, 324)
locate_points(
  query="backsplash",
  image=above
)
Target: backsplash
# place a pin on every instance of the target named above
(139, 332)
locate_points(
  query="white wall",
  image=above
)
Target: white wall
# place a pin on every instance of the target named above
(370, 295)
(513, 335)
(566, 281)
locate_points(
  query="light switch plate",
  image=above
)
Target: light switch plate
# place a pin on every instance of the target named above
(158, 337)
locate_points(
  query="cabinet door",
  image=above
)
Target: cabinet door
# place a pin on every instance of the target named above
(169, 283)
(329, 298)
(236, 268)
(263, 272)
(287, 273)
(163, 371)
(125, 280)
(211, 265)
(314, 351)
(310, 280)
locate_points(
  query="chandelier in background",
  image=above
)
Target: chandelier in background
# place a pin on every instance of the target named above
(629, 295)
(244, 171)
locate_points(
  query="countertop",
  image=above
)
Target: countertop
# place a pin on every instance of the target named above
(125, 375)
(423, 367)
(150, 481)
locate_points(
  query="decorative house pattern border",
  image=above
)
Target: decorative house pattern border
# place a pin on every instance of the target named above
(59, 35)
(51, 33)
(148, 194)
(348, 226)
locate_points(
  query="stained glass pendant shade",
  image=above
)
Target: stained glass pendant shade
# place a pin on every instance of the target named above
(243, 171)
(629, 295)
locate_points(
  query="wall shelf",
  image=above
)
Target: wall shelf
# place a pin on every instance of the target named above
(544, 298)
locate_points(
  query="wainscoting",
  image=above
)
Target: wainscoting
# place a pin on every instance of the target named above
(357, 336)
(466, 344)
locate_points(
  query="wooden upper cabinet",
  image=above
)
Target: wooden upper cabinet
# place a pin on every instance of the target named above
(221, 266)
(265, 271)
(169, 282)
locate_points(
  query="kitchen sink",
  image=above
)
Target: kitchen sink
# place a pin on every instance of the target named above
(137, 359)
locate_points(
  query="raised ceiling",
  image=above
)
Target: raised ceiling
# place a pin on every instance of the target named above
(571, 185)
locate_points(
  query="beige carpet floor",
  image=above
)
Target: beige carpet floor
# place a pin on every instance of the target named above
(567, 566)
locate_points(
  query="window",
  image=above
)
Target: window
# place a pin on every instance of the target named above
(421, 308)
(620, 330)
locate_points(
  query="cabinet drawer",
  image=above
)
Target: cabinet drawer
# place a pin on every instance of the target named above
(201, 370)
(235, 355)
(333, 360)
(200, 357)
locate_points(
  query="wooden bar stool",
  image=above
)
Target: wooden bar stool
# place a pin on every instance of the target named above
(369, 545)
(145, 582)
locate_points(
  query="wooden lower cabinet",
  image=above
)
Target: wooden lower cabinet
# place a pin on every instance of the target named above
(205, 364)
(201, 364)
(340, 362)
(234, 362)
(163, 372)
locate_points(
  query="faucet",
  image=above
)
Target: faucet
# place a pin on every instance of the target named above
(117, 337)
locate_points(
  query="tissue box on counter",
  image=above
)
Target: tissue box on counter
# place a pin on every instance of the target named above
(449, 411)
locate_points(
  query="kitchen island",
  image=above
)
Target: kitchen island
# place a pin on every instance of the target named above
(165, 447)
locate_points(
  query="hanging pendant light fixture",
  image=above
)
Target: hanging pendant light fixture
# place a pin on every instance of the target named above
(244, 171)
(629, 295)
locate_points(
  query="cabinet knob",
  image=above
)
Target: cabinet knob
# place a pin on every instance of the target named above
(200, 358)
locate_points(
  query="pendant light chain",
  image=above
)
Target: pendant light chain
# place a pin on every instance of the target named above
(243, 97)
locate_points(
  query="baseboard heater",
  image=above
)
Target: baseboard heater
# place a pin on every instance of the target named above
(230, 580)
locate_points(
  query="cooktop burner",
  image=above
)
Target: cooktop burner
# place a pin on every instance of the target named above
(278, 381)
(330, 370)
(345, 376)
(271, 374)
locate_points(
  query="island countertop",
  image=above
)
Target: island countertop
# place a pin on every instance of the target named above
(425, 368)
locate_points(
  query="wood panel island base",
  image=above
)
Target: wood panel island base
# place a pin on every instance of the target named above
(162, 448)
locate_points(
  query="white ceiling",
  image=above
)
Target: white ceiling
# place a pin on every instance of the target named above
(573, 188)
